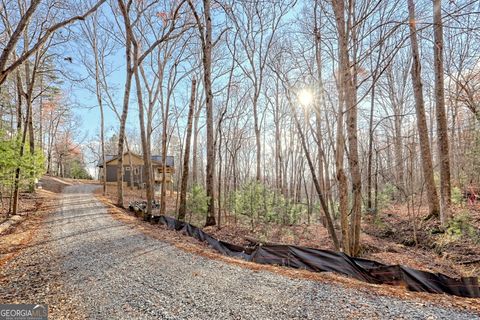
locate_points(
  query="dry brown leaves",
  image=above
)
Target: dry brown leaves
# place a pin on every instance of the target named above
(22, 234)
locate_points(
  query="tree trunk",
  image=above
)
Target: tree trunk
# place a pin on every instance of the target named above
(341, 177)
(195, 145)
(164, 157)
(17, 171)
(147, 160)
(421, 119)
(320, 99)
(126, 97)
(219, 182)
(323, 203)
(207, 76)
(186, 158)
(30, 77)
(350, 97)
(258, 144)
(40, 115)
(130, 163)
(442, 127)
(398, 151)
(102, 117)
(370, 152)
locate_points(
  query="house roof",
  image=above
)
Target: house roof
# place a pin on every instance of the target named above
(155, 158)
(168, 160)
(108, 157)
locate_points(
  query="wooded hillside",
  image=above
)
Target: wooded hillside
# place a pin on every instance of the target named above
(339, 114)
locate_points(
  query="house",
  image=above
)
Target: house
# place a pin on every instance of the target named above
(134, 170)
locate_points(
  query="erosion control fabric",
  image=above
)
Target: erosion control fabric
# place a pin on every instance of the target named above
(324, 260)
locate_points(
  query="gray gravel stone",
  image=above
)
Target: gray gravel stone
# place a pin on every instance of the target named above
(86, 264)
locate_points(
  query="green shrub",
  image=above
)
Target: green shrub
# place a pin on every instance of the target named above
(457, 196)
(197, 201)
(31, 165)
(385, 196)
(252, 201)
(260, 203)
(78, 170)
(460, 226)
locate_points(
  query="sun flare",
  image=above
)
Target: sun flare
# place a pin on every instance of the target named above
(305, 97)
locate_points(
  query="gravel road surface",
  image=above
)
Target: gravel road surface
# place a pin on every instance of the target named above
(85, 264)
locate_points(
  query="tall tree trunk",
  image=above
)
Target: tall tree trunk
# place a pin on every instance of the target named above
(219, 181)
(442, 128)
(130, 163)
(104, 158)
(102, 117)
(195, 145)
(31, 138)
(17, 170)
(18, 83)
(164, 157)
(145, 147)
(31, 134)
(278, 141)
(398, 151)
(14, 206)
(320, 98)
(147, 160)
(341, 176)
(350, 97)
(258, 144)
(421, 119)
(30, 77)
(323, 203)
(207, 76)
(370, 152)
(186, 157)
(40, 115)
(126, 98)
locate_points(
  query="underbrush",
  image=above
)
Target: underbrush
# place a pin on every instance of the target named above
(28, 201)
(459, 231)
(461, 226)
(387, 236)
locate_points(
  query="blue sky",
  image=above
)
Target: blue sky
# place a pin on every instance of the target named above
(86, 101)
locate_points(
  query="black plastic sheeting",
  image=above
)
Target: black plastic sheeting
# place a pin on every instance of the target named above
(324, 260)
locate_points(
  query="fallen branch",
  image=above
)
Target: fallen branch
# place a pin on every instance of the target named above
(470, 262)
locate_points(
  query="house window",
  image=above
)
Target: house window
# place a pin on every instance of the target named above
(127, 168)
(135, 170)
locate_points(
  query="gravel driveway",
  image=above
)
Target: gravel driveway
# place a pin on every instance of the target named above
(84, 263)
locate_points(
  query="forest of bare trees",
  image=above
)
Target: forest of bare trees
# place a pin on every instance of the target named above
(283, 111)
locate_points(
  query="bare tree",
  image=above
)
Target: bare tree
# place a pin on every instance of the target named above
(134, 59)
(101, 47)
(257, 26)
(205, 32)
(186, 157)
(349, 95)
(421, 120)
(46, 33)
(442, 127)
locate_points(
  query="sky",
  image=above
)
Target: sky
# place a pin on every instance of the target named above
(85, 105)
(86, 101)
